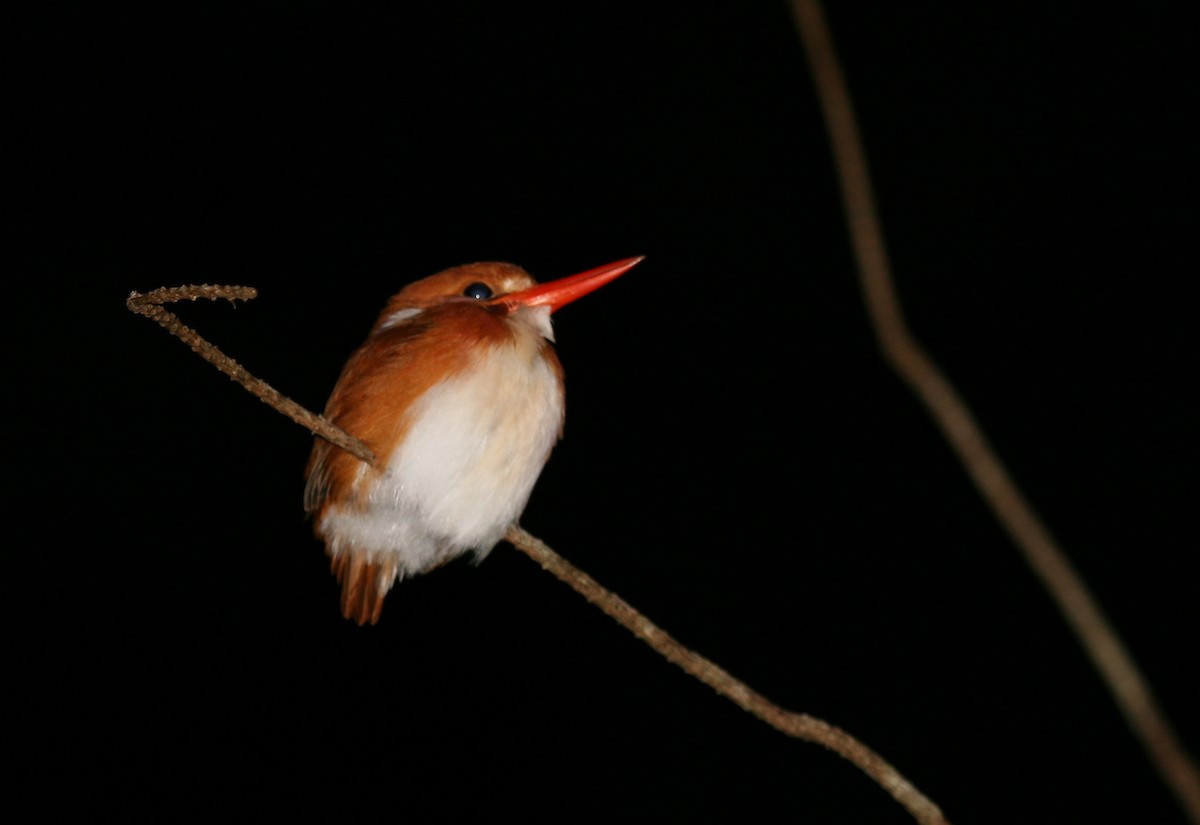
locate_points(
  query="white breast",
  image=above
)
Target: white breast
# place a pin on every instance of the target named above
(467, 466)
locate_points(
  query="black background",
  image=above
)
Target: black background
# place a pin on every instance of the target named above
(738, 462)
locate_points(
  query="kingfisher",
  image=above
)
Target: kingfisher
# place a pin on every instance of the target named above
(459, 394)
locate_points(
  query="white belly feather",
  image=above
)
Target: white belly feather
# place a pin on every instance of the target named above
(467, 466)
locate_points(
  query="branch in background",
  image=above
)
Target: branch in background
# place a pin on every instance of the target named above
(798, 725)
(1129, 688)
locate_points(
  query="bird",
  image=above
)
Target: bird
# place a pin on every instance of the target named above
(458, 392)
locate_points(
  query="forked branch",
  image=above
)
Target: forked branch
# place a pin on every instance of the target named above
(798, 725)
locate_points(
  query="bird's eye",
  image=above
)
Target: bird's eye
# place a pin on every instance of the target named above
(478, 291)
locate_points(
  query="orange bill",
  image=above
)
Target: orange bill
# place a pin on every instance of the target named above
(565, 290)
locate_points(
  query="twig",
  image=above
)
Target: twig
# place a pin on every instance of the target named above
(1130, 689)
(149, 305)
(798, 725)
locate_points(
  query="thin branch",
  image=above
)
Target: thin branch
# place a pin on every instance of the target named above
(798, 725)
(149, 305)
(1130, 689)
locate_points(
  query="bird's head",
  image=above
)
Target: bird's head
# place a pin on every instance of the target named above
(499, 288)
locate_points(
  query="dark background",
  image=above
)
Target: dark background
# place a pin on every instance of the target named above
(738, 462)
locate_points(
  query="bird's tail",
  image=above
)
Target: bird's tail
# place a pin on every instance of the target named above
(364, 583)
